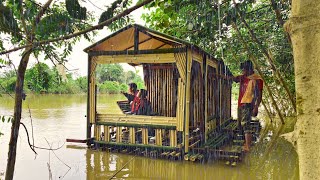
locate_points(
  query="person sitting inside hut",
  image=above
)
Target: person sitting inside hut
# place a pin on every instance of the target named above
(132, 96)
(143, 105)
(250, 97)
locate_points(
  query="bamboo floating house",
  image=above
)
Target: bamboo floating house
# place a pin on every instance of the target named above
(188, 91)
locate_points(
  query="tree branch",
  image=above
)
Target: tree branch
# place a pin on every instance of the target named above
(99, 26)
(40, 14)
(279, 18)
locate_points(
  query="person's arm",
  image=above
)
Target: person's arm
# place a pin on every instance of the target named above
(232, 78)
(258, 100)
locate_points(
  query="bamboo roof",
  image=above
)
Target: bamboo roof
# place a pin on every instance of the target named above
(148, 39)
(136, 37)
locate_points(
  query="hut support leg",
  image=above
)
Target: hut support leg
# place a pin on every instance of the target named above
(106, 133)
(144, 136)
(173, 138)
(132, 134)
(158, 137)
(119, 135)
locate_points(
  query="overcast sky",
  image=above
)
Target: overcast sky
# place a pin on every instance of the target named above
(77, 61)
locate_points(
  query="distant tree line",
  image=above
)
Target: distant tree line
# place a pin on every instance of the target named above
(40, 78)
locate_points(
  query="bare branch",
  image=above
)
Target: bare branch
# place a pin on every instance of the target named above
(99, 26)
(31, 147)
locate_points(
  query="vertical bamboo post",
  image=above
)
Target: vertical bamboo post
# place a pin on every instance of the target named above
(145, 136)
(173, 138)
(119, 135)
(88, 101)
(206, 81)
(159, 137)
(132, 134)
(107, 133)
(98, 132)
(220, 93)
(187, 97)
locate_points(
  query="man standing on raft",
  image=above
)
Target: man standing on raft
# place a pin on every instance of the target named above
(250, 96)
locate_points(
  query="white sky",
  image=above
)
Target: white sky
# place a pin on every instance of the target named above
(78, 60)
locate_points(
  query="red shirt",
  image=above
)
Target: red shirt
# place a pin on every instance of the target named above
(135, 103)
(243, 86)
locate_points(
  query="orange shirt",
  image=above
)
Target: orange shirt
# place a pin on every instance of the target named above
(243, 86)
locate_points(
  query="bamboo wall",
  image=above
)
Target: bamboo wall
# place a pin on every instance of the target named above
(212, 97)
(197, 97)
(162, 83)
(226, 99)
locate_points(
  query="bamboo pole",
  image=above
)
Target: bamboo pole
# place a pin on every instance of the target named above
(173, 138)
(206, 97)
(187, 110)
(255, 61)
(145, 136)
(132, 134)
(107, 133)
(119, 135)
(159, 137)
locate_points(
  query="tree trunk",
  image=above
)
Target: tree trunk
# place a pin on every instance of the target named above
(17, 114)
(303, 26)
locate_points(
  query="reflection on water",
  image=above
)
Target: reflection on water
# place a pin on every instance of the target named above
(57, 117)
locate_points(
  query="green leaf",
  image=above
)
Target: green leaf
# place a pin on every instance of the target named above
(75, 10)
(3, 119)
(8, 23)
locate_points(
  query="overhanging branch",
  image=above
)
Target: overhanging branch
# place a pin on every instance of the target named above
(99, 26)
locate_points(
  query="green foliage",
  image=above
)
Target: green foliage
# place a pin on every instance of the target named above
(112, 78)
(115, 8)
(110, 72)
(8, 24)
(5, 119)
(110, 87)
(75, 10)
(198, 22)
(38, 77)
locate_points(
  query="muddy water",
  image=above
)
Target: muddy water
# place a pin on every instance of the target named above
(57, 117)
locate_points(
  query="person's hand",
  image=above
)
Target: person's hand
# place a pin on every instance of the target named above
(255, 111)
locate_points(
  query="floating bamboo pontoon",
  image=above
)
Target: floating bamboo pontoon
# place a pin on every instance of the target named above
(189, 92)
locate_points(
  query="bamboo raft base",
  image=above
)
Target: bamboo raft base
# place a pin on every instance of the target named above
(224, 144)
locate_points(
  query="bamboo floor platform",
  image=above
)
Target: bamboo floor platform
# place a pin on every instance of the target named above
(223, 144)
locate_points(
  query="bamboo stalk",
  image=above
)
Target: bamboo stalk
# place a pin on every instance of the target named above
(159, 137)
(119, 135)
(145, 136)
(106, 133)
(132, 134)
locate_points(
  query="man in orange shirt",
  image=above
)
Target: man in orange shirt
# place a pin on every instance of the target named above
(250, 96)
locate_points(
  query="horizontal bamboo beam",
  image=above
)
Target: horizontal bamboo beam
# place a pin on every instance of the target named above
(139, 52)
(135, 120)
(136, 125)
(137, 59)
(212, 63)
(136, 145)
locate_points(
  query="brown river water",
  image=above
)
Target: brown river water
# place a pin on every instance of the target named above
(57, 117)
